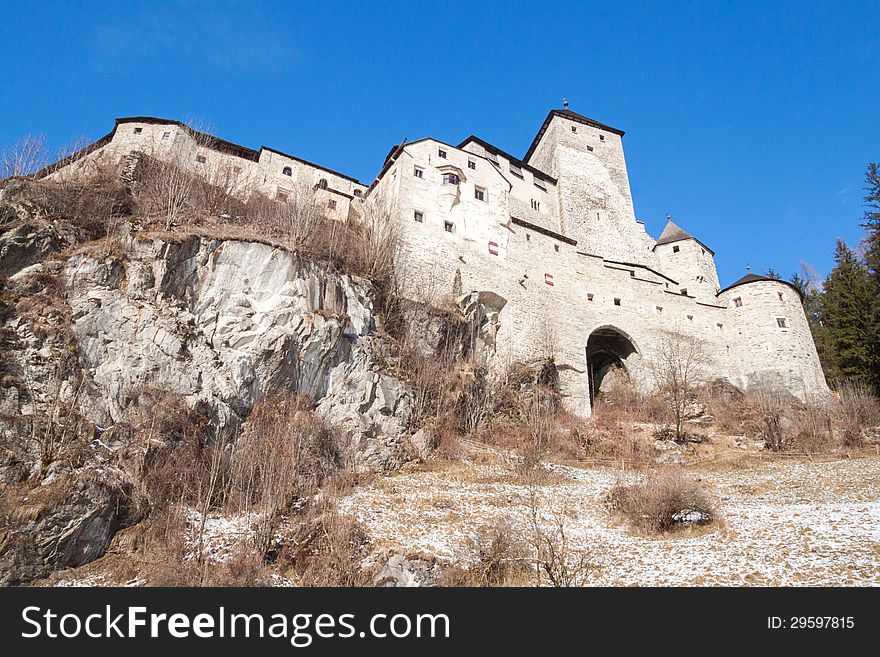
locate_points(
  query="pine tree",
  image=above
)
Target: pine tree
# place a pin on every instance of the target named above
(872, 220)
(847, 313)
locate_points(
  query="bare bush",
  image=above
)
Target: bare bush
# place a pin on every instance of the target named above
(679, 367)
(552, 552)
(24, 158)
(857, 409)
(328, 549)
(282, 456)
(500, 558)
(666, 500)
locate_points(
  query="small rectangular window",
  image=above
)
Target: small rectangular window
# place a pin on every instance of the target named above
(418, 216)
(357, 193)
(418, 173)
(236, 170)
(781, 296)
(472, 165)
(590, 149)
(536, 205)
(738, 302)
(450, 179)
(441, 153)
(659, 309)
(616, 302)
(166, 135)
(516, 171)
(574, 128)
(684, 292)
(720, 326)
(589, 296)
(781, 322)
(601, 137)
(690, 318)
(449, 227)
(479, 193)
(676, 249)
(332, 203)
(201, 159)
(138, 131)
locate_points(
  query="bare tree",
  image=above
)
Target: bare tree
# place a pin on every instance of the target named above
(553, 554)
(25, 157)
(680, 365)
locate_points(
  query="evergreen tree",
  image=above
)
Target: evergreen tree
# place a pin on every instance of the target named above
(872, 220)
(847, 315)
(772, 273)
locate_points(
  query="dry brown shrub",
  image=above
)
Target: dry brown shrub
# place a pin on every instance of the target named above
(658, 503)
(500, 558)
(328, 549)
(857, 409)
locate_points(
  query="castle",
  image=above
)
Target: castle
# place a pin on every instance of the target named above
(551, 244)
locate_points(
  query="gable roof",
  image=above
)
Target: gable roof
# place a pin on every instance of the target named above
(571, 116)
(513, 160)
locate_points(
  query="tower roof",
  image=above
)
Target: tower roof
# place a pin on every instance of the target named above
(755, 278)
(571, 116)
(672, 232)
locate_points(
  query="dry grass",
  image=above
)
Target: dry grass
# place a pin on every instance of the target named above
(661, 503)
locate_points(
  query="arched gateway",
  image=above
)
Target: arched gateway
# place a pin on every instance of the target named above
(608, 351)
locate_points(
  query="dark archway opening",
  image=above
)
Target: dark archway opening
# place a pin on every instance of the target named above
(607, 352)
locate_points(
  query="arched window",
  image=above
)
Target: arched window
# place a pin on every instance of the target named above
(287, 171)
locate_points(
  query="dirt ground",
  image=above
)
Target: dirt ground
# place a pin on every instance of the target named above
(784, 522)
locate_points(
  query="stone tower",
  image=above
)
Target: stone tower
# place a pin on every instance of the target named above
(595, 204)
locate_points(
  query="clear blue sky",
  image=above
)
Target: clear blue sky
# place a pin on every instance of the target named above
(750, 122)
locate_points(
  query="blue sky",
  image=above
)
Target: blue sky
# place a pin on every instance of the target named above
(751, 123)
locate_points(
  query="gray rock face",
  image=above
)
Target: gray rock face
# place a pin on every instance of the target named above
(76, 528)
(225, 323)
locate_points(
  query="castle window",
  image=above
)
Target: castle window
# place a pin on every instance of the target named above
(418, 217)
(322, 183)
(287, 171)
(659, 309)
(528, 238)
(357, 193)
(720, 327)
(472, 165)
(574, 128)
(684, 291)
(516, 171)
(616, 302)
(676, 249)
(138, 131)
(738, 302)
(441, 153)
(556, 248)
(589, 296)
(449, 227)
(201, 159)
(781, 296)
(480, 193)
(536, 205)
(781, 322)
(590, 149)
(450, 179)
(166, 135)
(332, 203)
(601, 137)
(690, 318)
(236, 170)
(418, 173)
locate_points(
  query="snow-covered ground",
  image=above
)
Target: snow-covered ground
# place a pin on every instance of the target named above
(784, 522)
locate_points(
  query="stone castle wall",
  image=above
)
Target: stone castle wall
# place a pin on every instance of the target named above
(555, 239)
